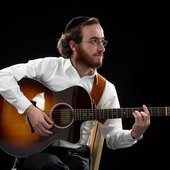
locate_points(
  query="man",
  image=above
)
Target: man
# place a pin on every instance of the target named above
(82, 47)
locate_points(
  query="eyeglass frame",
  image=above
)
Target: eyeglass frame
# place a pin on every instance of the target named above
(96, 41)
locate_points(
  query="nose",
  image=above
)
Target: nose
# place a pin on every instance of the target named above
(101, 47)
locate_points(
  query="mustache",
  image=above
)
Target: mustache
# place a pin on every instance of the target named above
(99, 54)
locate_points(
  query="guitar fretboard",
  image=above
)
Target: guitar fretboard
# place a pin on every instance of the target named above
(97, 114)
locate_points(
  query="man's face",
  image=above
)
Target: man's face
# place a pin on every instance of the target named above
(90, 52)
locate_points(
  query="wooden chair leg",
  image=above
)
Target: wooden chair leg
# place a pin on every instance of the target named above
(96, 146)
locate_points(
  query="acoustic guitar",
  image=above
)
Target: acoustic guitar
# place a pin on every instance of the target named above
(67, 108)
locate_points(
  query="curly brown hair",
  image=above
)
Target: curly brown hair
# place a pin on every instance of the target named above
(74, 34)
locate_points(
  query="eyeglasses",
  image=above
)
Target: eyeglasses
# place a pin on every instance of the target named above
(97, 41)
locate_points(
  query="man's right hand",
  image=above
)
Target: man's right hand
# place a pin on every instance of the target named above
(40, 121)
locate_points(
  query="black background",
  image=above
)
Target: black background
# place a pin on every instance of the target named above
(137, 62)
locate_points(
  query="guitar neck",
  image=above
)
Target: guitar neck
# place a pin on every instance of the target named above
(97, 114)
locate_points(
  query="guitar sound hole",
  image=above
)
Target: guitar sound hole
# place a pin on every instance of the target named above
(62, 115)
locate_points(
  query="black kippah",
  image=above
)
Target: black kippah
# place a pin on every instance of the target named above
(76, 21)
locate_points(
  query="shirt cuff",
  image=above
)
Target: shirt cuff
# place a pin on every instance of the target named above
(134, 139)
(22, 104)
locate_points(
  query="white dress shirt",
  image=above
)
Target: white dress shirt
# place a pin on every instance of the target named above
(58, 74)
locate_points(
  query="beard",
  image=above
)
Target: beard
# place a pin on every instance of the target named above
(91, 61)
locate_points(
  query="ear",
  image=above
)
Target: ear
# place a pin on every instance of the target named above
(73, 45)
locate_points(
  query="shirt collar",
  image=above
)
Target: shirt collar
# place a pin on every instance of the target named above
(68, 64)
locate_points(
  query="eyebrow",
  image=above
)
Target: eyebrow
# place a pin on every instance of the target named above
(97, 38)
